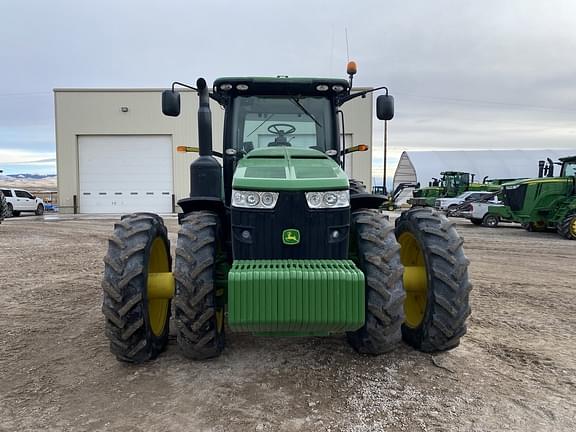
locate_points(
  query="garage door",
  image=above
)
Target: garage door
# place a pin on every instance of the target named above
(124, 174)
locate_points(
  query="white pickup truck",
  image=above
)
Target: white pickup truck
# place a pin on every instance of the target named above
(18, 201)
(478, 214)
(449, 205)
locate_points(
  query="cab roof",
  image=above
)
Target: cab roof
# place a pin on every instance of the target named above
(567, 159)
(280, 86)
(453, 173)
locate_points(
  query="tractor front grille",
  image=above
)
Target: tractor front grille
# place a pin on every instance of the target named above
(257, 233)
(514, 196)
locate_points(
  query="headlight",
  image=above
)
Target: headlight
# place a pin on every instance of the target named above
(253, 199)
(330, 199)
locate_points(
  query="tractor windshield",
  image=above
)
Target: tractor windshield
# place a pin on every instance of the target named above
(569, 169)
(275, 121)
(455, 182)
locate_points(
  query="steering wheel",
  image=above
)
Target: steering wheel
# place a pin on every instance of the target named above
(274, 129)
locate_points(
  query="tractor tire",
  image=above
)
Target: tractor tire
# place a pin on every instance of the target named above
(490, 221)
(534, 226)
(451, 209)
(377, 255)
(199, 314)
(435, 279)
(567, 228)
(136, 326)
(357, 187)
(3, 207)
(476, 221)
(39, 210)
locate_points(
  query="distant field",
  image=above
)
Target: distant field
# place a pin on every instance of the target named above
(32, 184)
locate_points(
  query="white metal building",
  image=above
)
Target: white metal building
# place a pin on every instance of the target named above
(116, 151)
(422, 166)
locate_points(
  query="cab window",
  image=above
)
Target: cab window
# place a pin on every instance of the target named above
(275, 121)
(23, 194)
(569, 169)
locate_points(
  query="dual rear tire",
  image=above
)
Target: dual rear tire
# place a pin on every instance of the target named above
(137, 318)
(417, 286)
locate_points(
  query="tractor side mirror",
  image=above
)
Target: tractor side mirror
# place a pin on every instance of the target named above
(385, 107)
(171, 103)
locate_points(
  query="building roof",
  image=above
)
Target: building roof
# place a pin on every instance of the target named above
(422, 166)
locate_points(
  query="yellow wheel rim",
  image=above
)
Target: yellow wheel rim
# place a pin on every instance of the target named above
(415, 279)
(160, 286)
(573, 227)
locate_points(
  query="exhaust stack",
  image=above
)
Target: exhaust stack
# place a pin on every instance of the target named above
(205, 171)
(550, 167)
(204, 119)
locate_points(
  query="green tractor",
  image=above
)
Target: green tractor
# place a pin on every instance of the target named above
(543, 203)
(451, 184)
(276, 240)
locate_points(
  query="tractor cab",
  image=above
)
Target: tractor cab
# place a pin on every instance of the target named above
(280, 112)
(456, 182)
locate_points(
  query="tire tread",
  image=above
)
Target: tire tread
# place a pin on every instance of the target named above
(448, 302)
(379, 259)
(123, 286)
(195, 308)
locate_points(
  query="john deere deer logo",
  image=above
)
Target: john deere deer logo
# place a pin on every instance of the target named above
(290, 236)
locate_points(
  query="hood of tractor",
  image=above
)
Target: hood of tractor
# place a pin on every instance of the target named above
(290, 169)
(431, 191)
(534, 181)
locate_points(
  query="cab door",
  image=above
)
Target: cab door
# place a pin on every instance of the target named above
(24, 201)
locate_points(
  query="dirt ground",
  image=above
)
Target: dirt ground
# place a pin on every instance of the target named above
(514, 370)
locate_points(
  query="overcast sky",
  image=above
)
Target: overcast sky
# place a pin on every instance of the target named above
(465, 74)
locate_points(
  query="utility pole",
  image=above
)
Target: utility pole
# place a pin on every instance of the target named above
(385, 149)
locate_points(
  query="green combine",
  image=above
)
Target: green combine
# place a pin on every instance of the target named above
(451, 184)
(543, 203)
(275, 239)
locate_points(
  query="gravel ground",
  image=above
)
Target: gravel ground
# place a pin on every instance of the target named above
(514, 370)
